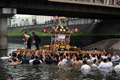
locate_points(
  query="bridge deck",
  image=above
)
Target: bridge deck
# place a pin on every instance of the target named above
(85, 3)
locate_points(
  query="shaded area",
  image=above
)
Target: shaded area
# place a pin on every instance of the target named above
(3, 70)
(65, 13)
(44, 7)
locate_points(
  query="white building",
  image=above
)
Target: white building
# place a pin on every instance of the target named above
(43, 19)
(25, 20)
(22, 21)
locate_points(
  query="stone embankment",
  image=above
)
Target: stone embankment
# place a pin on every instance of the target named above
(108, 44)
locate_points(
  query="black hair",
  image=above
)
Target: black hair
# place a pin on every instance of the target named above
(84, 62)
(88, 57)
(93, 55)
(85, 56)
(61, 58)
(104, 60)
(100, 59)
(106, 54)
(80, 55)
(80, 58)
(5, 54)
(94, 61)
(109, 58)
(99, 56)
(61, 54)
(36, 57)
(33, 32)
(77, 58)
(66, 54)
(41, 57)
(76, 54)
(26, 32)
(117, 62)
(14, 54)
(71, 56)
(14, 60)
(51, 54)
(10, 76)
(95, 48)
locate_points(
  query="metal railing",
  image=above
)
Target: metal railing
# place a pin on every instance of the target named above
(68, 23)
(105, 2)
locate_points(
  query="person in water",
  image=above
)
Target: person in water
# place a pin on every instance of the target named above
(85, 66)
(64, 59)
(104, 65)
(94, 65)
(76, 62)
(117, 67)
(37, 40)
(61, 63)
(115, 57)
(36, 61)
(61, 59)
(109, 62)
(27, 40)
(15, 62)
(10, 78)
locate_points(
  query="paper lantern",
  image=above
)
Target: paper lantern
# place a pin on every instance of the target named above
(45, 30)
(76, 30)
(56, 18)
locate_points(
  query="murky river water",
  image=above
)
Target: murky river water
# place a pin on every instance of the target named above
(49, 72)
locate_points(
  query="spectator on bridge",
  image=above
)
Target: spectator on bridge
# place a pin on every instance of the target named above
(102, 1)
(108, 2)
(37, 40)
(115, 2)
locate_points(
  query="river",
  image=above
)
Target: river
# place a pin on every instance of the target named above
(49, 72)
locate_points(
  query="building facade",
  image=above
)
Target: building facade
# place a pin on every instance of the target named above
(46, 21)
(28, 20)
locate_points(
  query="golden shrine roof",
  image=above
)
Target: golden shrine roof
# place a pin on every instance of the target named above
(61, 30)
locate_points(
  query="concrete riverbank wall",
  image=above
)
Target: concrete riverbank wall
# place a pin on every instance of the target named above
(79, 41)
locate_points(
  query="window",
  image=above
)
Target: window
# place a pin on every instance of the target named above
(13, 25)
(13, 20)
(16, 24)
(22, 19)
(26, 19)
